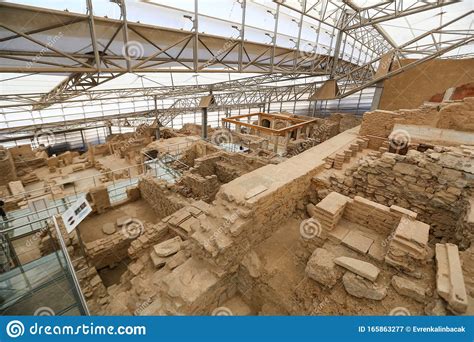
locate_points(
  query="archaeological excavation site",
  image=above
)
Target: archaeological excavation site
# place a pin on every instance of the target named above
(236, 158)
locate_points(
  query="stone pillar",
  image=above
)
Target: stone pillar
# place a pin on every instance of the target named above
(204, 124)
(287, 140)
(298, 133)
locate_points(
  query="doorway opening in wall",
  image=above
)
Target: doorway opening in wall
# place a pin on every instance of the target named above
(266, 123)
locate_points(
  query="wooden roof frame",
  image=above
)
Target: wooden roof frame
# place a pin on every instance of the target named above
(299, 122)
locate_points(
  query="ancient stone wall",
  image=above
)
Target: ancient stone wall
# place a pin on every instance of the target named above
(465, 226)
(160, 196)
(109, 250)
(378, 123)
(197, 150)
(377, 217)
(204, 179)
(348, 121)
(7, 167)
(201, 187)
(433, 184)
(458, 115)
(148, 238)
(237, 224)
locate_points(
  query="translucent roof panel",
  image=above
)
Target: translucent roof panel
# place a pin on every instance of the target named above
(28, 83)
(402, 30)
(224, 18)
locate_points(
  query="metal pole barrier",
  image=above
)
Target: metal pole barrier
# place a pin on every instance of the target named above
(71, 268)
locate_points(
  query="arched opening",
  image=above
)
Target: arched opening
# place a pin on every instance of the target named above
(266, 123)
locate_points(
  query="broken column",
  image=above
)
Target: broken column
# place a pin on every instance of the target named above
(449, 277)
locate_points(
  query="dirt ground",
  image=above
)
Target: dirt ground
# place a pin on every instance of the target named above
(91, 228)
(282, 260)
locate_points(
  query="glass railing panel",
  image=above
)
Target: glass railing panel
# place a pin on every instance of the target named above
(21, 283)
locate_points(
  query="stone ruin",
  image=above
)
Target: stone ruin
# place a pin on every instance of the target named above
(345, 227)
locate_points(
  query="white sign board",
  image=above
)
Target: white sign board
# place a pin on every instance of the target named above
(76, 213)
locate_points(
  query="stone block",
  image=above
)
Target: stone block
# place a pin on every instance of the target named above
(190, 281)
(357, 242)
(321, 267)
(449, 277)
(135, 268)
(377, 251)
(168, 247)
(156, 260)
(408, 288)
(362, 288)
(109, 228)
(359, 267)
(252, 263)
(176, 260)
(338, 233)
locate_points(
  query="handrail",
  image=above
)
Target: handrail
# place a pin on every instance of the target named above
(177, 160)
(25, 193)
(70, 268)
(55, 207)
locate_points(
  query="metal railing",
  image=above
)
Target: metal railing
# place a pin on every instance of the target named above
(24, 221)
(41, 283)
